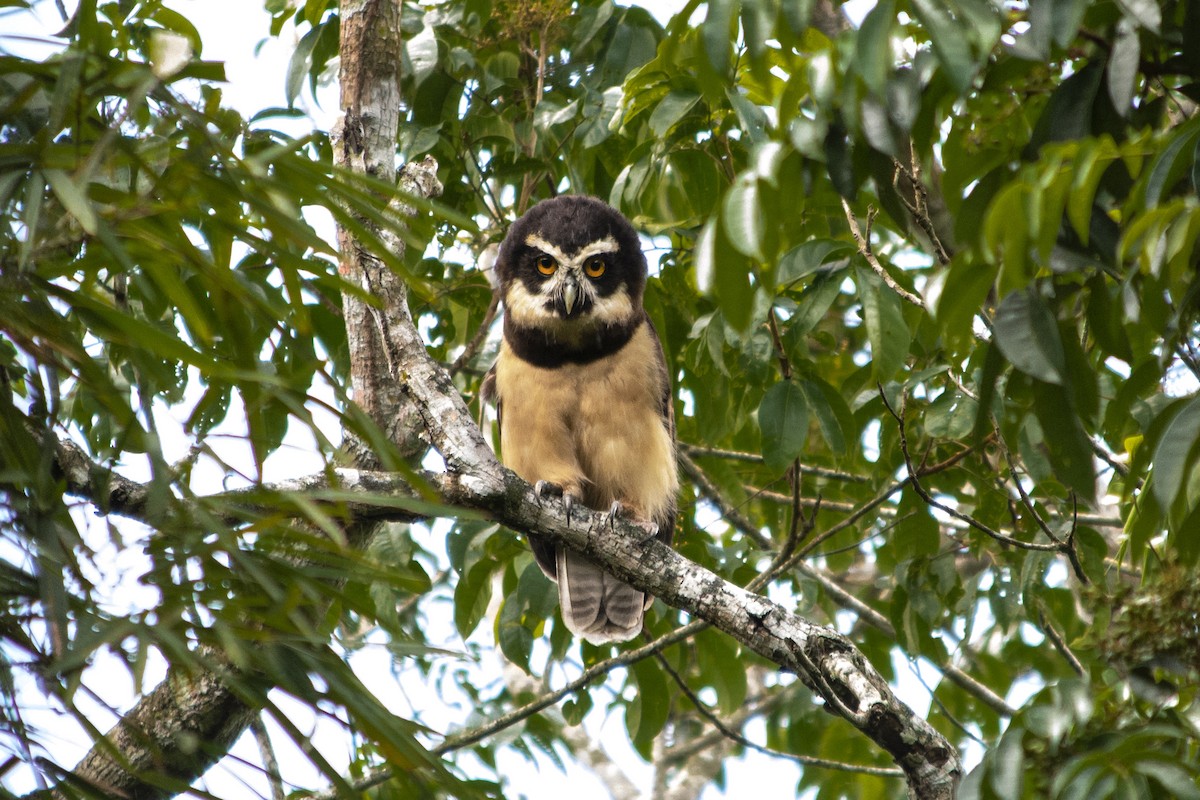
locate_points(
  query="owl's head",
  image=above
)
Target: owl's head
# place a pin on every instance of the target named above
(569, 267)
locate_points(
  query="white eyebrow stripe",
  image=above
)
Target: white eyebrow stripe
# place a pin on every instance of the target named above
(533, 240)
(606, 245)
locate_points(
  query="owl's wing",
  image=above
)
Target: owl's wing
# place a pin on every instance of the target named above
(543, 551)
(666, 521)
(666, 400)
(487, 394)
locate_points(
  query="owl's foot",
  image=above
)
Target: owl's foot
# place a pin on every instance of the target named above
(544, 489)
(619, 510)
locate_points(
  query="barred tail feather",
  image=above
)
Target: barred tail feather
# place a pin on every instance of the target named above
(596, 605)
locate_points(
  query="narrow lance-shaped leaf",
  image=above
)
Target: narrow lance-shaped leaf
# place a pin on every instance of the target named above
(886, 329)
(783, 420)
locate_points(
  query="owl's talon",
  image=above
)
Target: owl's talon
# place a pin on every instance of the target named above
(544, 489)
(569, 501)
(651, 529)
(615, 512)
(619, 510)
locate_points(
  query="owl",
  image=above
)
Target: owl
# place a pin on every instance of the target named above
(583, 395)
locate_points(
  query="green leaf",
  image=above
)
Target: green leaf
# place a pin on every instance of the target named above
(742, 218)
(833, 416)
(783, 421)
(650, 707)
(839, 161)
(1123, 67)
(950, 42)
(951, 416)
(299, 64)
(752, 120)
(916, 532)
(962, 296)
(805, 259)
(706, 256)
(73, 198)
(1179, 784)
(1028, 336)
(1064, 440)
(1068, 115)
(1146, 12)
(1008, 766)
(873, 47)
(671, 109)
(886, 329)
(1091, 162)
(575, 709)
(1066, 16)
(731, 281)
(1172, 162)
(717, 31)
(1176, 454)
(471, 597)
(723, 668)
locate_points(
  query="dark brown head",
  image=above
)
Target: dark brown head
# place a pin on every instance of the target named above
(571, 259)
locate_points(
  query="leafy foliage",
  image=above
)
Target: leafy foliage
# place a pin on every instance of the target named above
(927, 283)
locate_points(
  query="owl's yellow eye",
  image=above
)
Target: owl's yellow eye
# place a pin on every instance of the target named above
(594, 267)
(545, 264)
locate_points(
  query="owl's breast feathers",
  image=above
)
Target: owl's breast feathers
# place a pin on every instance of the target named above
(604, 424)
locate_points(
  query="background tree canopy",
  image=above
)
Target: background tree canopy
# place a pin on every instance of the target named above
(926, 277)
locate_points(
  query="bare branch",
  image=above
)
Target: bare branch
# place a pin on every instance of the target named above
(700, 451)
(728, 512)
(864, 247)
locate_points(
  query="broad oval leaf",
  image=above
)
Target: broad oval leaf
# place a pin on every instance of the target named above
(1123, 66)
(1028, 337)
(805, 259)
(1175, 456)
(671, 109)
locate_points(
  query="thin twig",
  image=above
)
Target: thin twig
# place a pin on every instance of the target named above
(732, 735)
(477, 340)
(864, 247)
(785, 364)
(728, 512)
(919, 205)
(1069, 548)
(954, 512)
(491, 728)
(270, 764)
(1026, 500)
(700, 451)
(1056, 639)
(877, 620)
(912, 667)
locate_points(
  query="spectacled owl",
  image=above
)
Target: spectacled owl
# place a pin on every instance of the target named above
(583, 395)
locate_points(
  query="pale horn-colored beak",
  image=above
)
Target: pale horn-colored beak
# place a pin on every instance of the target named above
(570, 293)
